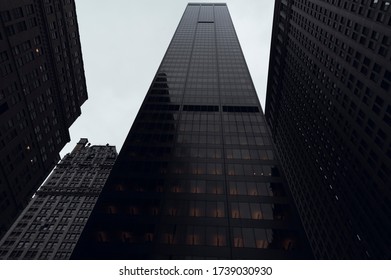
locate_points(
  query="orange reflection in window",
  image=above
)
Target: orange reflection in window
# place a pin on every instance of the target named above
(172, 211)
(168, 238)
(133, 210)
(102, 236)
(235, 214)
(218, 240)
(176, 189)
(257, 215)
(195, 212)
(119, 188)
(238, 242)
(263, 244)
(288, 244)
(127, 237)
(148, 237)
(193, 239)
(195, 189)
(233, 191)
(218, 213)
(112, 209)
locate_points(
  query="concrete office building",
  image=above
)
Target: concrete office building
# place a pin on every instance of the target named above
(329, 109)
(50, 225)
(42, 87)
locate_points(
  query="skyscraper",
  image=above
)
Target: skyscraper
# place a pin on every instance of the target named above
(329, 108)
(197, 176)
(52, 222)
(42, 87)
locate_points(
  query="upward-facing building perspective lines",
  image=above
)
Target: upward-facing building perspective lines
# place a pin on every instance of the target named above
(329, 109)
(197, 177)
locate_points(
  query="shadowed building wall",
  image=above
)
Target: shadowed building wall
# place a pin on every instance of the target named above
(42, 87)
(52, 222)
(329, 108)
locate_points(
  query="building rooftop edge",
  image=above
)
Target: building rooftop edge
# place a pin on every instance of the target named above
(207, 3)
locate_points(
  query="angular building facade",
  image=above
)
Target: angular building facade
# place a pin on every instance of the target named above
(197, 176)
(329, 108)
(51, 224)
(42, 87)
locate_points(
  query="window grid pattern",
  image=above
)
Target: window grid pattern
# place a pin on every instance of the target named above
(327, 105)
(52, 222)
(198, 163)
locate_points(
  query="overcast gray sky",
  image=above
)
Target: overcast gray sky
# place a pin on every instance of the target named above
(123, 43)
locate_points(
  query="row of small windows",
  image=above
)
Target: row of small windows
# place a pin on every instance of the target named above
(365, 8)
(226, 69)
(216, 127)
(204, 236)
(201, 117)
(216, 139)
(369, 12)
(21, 26)
(337, 45)
(369, 38)
(206, 96)
(357, 91)
(251, 139)
(216, 153)
(17, 13)
(30, 250)
(251, 170)
(201, 208)
(235, 188)
(205, 108)
(379, 140)
(353, 107)
(205, 168)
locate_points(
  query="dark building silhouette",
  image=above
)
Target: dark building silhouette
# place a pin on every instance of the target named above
(52, 222)
(42, 87)
(329, 108)
(197, 177)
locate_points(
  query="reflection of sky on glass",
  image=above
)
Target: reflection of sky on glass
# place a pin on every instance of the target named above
(123, 43)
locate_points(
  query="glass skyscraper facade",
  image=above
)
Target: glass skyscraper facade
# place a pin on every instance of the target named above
(329, 109)
(197, 176)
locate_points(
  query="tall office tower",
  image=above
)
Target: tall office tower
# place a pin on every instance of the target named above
(196, 177)
(50, 225)
(329, 108)
(42, 87)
